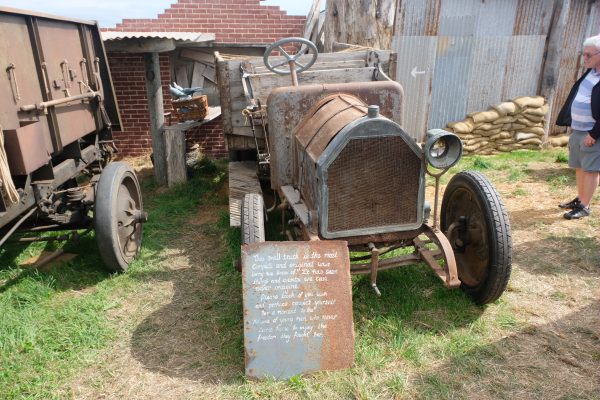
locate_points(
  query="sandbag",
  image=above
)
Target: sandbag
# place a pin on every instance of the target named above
(505, 141)
(559, 141)
(474, 141)
(538, 130)
(489, 133)
(505, 120)
(465, 126)
(476, 146)
(534, 119)
(486, 126)
(484, 116)
(540, 112)
(501, 135)
(526, 101)
(536, 141)
(505, 108)
(526, 121)
(525, 135)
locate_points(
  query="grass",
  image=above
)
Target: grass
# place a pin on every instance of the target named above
(419, 340)
(54, 322)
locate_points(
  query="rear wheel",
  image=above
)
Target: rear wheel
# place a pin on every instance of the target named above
(476, 224)
(253, 219)
(118, 216)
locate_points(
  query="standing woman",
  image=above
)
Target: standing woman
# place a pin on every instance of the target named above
(582, 113)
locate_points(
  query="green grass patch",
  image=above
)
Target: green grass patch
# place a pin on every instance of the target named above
(418, 339)
(55, 321)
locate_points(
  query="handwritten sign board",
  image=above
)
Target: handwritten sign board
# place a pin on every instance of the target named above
(297, 308)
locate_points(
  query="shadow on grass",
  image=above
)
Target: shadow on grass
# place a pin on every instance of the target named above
(559, 255)
(83, 272)
(522, 365)
(555, 177)
(527, 218)
(198, 335)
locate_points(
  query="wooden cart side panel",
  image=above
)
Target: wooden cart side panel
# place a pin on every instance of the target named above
(340, 67)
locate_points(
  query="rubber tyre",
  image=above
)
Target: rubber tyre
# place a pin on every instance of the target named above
(118, 192)
(253, 219)
(471, 194)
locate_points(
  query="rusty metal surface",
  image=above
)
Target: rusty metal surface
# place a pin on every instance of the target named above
(445, 252)
(25, 149)
(325, 119)
(417, 18)
(448, 50)
(374, 182)
(17, 11)
(533, 17)
(297, 308)
(371, 181)
(288, 105)
(447, 77)
(53, 59)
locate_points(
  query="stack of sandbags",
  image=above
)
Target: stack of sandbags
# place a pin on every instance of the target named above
(512, 125)
(559, 140)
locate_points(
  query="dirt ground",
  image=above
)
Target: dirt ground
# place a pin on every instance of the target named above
(169, 349)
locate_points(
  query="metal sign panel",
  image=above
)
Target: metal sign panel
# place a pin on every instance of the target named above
(297, 308)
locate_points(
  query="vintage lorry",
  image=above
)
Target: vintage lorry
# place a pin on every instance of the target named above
(325, 132)
(57, 112)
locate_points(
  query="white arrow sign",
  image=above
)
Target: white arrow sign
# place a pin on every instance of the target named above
(414, 72)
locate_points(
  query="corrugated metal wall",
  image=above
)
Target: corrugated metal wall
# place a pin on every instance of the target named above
(460, 56)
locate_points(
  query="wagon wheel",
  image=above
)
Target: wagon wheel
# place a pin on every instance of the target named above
(476, 224)
(253, 219)
(118, 216)
(284, 67)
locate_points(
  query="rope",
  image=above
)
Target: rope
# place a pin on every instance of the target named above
(5, 179)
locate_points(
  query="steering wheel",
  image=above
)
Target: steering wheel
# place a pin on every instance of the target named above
(291, 60)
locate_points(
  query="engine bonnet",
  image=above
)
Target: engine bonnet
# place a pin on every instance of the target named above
(361, 173)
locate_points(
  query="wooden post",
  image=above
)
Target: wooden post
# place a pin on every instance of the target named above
(175, 156)
(551, 67)
(157, 118)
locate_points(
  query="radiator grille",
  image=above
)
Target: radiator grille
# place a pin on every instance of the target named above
(373, 182)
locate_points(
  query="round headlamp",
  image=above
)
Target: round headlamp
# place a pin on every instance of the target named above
(442, 148)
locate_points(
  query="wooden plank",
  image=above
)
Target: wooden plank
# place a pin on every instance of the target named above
(263, 84)
(223, 83)
(210, 74)
(198, 75)
(242, 180)
(312, 19)
(181, 75)
(198, 55)
(236, 142)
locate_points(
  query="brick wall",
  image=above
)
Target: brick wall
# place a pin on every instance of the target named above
(127, 71)
(232, 21)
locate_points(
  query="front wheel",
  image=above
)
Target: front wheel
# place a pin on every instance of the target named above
(477, 226)
(118, 216)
